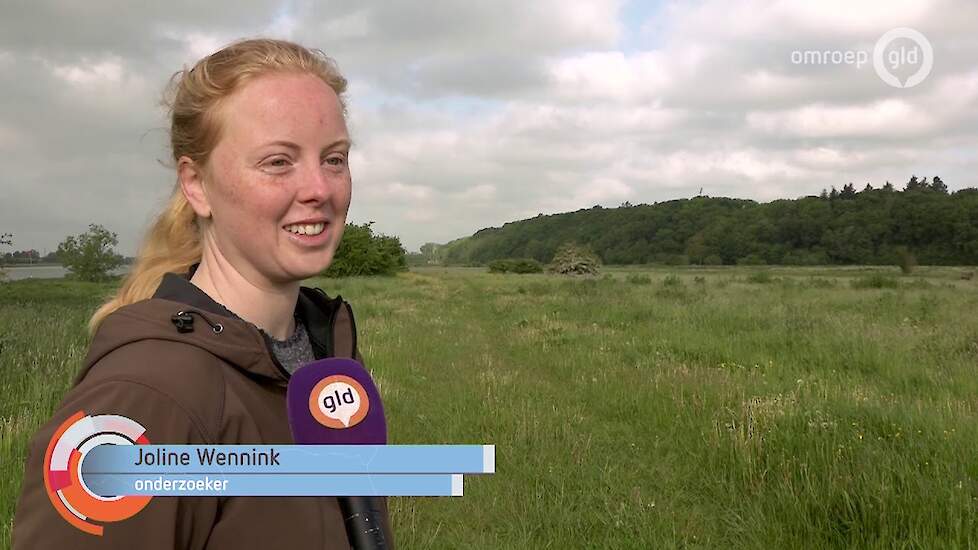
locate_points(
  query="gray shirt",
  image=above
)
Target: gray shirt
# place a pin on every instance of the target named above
(296, 350)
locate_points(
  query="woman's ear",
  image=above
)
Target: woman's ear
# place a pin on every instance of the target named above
(191, 178)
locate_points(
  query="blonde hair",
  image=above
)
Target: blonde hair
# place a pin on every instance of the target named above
(194, 98)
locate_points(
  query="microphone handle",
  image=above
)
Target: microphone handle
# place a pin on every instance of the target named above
(363, 526)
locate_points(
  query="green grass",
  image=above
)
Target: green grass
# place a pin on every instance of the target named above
(712, 408)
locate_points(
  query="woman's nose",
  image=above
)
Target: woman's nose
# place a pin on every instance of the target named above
(316, 184)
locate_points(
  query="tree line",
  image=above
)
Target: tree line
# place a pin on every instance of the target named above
(90, 256)
(872, 226)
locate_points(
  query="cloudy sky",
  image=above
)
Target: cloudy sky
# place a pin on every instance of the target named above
(468, 115)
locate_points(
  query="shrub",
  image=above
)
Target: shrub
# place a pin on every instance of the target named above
(573, 259)
(499, 266)
(517, 265)
(527, 265)
(361, 252)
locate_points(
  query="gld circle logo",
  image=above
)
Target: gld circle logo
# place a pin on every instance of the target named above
(338, 402)
(886, 61)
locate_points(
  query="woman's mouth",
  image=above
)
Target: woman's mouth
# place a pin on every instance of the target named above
(306, 228)
(308, 234)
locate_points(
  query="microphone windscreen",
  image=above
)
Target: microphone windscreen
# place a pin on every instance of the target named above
(334, 401)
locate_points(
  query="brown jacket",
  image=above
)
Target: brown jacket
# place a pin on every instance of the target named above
(195, 387)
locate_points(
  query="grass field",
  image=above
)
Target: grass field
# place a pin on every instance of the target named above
(651, 408)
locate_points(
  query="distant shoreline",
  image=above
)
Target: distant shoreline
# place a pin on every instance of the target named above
(46, 271)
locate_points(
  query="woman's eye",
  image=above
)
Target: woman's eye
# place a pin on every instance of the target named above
(336, 161)
(277, 165)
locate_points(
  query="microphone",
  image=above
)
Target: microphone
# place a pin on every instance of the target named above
(334, 401)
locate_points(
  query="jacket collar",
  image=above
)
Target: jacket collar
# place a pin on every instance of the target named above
(209, 325)
(313, 307)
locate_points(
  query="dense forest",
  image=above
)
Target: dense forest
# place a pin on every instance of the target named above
(871, 226)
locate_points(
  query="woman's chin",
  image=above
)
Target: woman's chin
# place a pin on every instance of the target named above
(309, 269)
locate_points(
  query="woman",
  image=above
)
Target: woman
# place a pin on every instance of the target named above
(199, 342)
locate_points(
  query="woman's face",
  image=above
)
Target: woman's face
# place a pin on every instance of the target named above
(278, 181)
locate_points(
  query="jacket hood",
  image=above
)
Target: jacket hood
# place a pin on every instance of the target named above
(179, 311)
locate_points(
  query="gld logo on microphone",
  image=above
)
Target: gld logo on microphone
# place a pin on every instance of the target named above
(338, 402)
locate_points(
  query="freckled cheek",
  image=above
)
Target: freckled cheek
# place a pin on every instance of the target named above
(342, 197)
(251, 203)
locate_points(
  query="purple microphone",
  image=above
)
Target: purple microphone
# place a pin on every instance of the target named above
(335, 402)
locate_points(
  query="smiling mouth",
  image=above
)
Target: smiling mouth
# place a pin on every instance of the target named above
(306, 228)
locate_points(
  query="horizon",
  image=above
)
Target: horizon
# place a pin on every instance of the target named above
(859, 189)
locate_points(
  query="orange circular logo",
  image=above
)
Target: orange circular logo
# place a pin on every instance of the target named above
(66, 489)
(338, 402)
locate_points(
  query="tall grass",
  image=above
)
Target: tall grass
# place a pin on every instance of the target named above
(794, 413)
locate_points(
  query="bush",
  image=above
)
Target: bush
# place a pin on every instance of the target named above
(361, 252)
(500, 266)
(572, 259)
(89, 256)
(515, 265)
(528, 265)
(876, 280)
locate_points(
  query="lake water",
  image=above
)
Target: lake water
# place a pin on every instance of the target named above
(16, 273)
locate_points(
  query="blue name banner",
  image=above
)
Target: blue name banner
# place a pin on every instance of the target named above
(422, 485)
(289, 459)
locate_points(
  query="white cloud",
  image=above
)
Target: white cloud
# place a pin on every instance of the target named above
(398, 190)
(91, 73)
(489, 112)
(825, 121)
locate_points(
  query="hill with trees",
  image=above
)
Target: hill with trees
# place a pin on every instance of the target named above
(871, 226)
